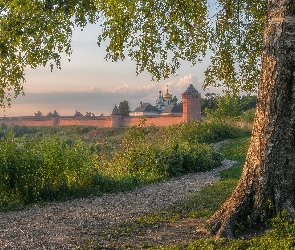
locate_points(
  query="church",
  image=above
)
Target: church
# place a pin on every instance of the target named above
(166, 105)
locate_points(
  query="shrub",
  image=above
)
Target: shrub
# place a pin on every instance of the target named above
(236, 149)
(199, 157)
(45, 169)
(208, 131)
(248, 116)
(155, 162)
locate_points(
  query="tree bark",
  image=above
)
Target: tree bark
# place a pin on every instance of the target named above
(267, 184)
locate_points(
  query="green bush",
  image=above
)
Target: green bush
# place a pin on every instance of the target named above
(159, 163)
(199, 157)
(236, 149)
(227, 106)
(154, 154)
(248, 116)
(45, 169)
(207, 131)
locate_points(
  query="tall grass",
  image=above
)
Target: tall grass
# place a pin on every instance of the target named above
(45, 168)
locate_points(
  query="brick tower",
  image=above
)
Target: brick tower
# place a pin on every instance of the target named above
(55, 118)
(116, 117)
(191, 104)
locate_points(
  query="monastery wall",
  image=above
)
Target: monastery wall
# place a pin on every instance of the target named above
(28, 121)
(96, 121)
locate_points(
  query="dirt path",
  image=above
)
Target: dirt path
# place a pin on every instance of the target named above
(64, 225)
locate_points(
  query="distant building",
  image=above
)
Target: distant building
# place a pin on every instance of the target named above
(164, 106)
(190, 107)
(144, 109)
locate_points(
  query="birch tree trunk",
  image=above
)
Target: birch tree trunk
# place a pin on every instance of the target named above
(267, 184)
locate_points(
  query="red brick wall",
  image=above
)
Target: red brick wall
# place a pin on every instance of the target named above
(106, 121)
(27, 121)
(89, 121)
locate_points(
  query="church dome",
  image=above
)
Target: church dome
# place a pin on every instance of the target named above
(167, 95)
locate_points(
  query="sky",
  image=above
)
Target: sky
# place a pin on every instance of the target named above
(90, 84)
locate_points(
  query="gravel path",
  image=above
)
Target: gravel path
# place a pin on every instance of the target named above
(64, 225)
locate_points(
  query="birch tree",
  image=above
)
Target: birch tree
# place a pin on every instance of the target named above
(267, 185)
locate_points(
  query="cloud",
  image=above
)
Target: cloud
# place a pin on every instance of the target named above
(185, 81)
(148, 87)
(125, 88)
(121, 89)
(177, 87)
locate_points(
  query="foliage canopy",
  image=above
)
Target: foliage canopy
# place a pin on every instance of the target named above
(124, 108)
(157, 35)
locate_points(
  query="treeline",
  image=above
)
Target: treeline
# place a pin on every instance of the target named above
(217, 106)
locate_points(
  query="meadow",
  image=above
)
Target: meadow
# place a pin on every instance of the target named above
(39, 165)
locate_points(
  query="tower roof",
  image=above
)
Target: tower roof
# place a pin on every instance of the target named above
(78, 113)
(146, 107)
(191, 90)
